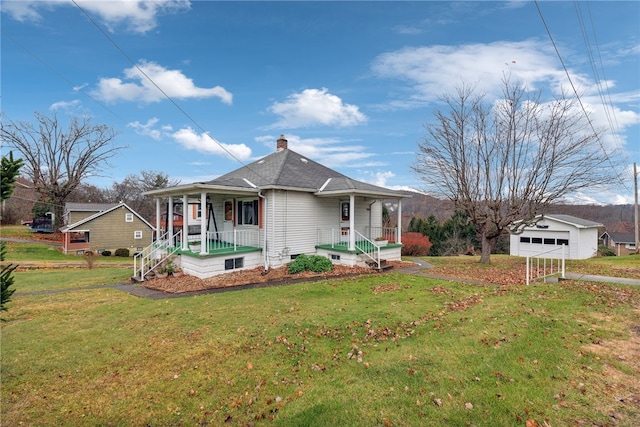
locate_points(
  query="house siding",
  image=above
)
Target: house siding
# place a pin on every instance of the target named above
(213, 266)
(111, 231)
(583, 242)
(76, 216)
(294, 216)
(293, 228)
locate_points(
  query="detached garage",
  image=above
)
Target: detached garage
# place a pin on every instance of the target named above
(551, 232)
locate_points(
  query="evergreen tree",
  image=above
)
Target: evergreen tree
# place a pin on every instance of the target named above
(9, 170)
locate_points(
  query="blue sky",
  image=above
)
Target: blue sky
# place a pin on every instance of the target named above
(350, 84)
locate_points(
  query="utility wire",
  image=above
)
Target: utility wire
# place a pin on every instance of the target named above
(175, 104)
(56, 72)
(576, 93)
(606, 101)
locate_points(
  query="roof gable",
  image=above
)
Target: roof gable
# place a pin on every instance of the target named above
(88, 207)
(619, 237)
(83, 221)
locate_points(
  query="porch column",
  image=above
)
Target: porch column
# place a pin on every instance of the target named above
(157, 218)
(352, 223)
(170, 220)
(185, 225)
(399, 221)
(204, 248)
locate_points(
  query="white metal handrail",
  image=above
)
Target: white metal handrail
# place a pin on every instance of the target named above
(154, 254)
(368, 247)
(542, 268)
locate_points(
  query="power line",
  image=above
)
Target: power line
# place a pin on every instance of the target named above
(584, 110)
(175, 104)
(606, 103)
(63, 77)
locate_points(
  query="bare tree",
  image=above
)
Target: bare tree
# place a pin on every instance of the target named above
(131, 190)
(508, 160)
(58, 160)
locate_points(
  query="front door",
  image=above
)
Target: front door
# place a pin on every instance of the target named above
(344, 221)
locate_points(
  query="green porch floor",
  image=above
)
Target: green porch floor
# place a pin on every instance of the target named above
(344, 247)
(217, 250)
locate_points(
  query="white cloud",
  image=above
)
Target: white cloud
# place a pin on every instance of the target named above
(431, 71)
(314, 107)
(378, 178)
(65, 105)
(204, 143)
(330, 152)
(147, 129)
(138, 85)
(24, 10)
(134, 15)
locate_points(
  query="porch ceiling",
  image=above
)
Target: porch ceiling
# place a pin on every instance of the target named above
(196, 189)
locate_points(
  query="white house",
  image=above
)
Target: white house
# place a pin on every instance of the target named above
(272, 210)
(552, 232)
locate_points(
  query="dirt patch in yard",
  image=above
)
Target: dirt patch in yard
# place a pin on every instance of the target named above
(620, 385)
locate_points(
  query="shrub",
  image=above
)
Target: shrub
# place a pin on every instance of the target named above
(315, 263)
(89, 257)
(123, 252)
(320, 264)
(298, 265)
(604, 250)
(415, 244)
(106, 253)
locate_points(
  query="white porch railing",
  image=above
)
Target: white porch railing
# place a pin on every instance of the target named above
(340, 238)
(154, 254)
(365, 244)
(226, 240)
(386, 233)
(234, 238)
(334, 237)
(540, 265)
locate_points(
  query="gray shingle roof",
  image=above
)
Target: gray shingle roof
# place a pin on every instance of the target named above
(288, 169)
(620, 237)
(569, 219)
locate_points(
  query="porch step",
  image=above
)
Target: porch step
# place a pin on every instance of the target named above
(384, 266)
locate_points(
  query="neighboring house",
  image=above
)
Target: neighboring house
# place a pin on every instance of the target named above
(104, 227)
(620, 243)
(551, 232)
(276, 208)
(193, 215)
(74, 211)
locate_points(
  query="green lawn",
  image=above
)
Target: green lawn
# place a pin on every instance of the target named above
(388, 350)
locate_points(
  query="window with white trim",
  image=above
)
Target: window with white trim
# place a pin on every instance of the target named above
(137, 234)
(128, 217)
(248, 212)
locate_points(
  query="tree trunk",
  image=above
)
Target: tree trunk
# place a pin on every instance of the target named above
(487, 246)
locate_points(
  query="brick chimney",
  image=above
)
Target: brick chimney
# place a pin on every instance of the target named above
(281, 144)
